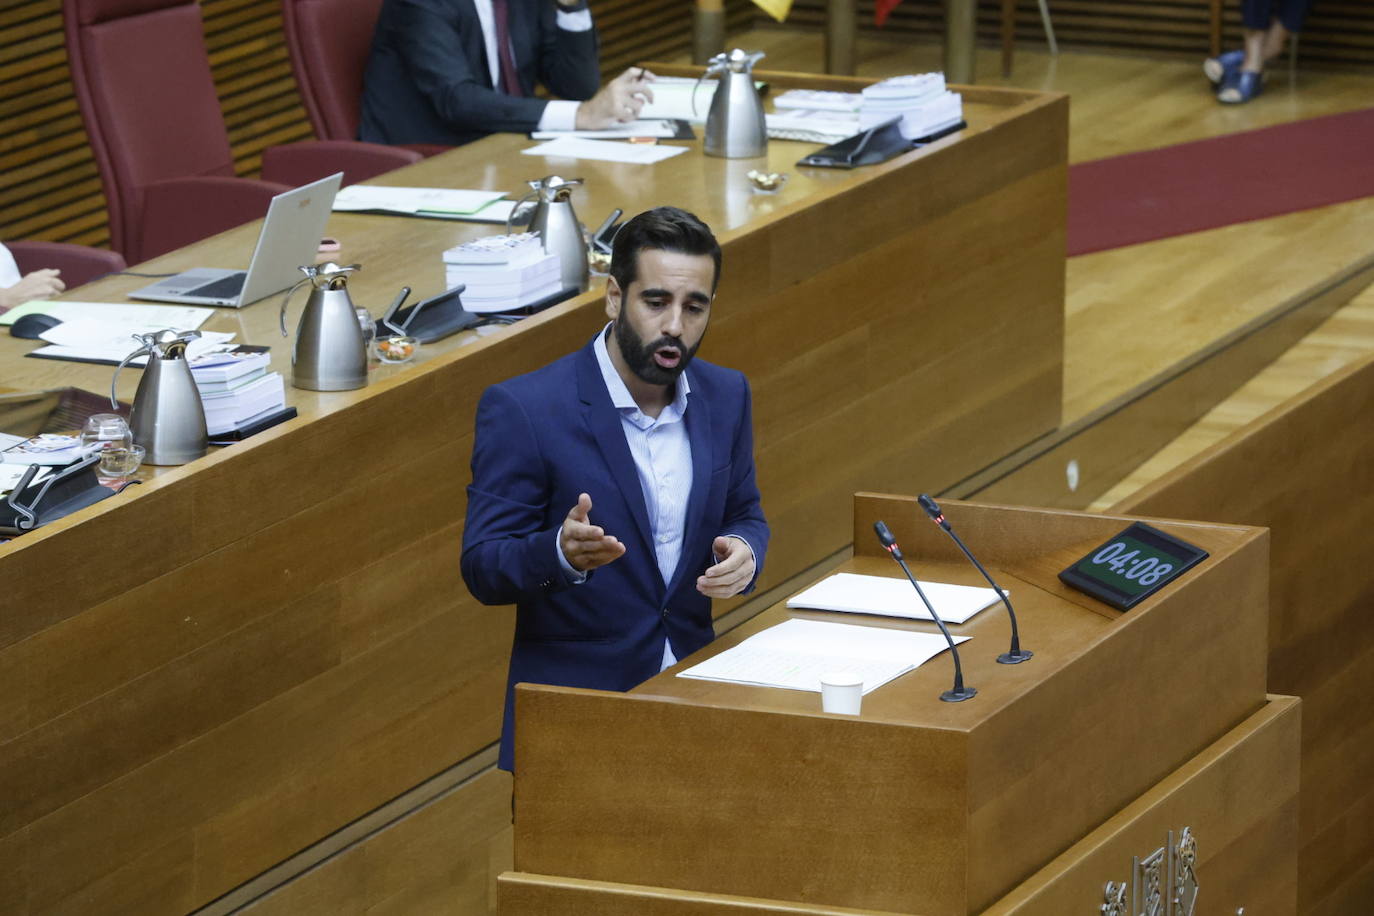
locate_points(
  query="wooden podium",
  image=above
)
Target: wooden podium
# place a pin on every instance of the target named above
(688, 796)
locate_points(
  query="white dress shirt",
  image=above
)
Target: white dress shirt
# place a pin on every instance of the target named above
(559, 114)
(9, 271)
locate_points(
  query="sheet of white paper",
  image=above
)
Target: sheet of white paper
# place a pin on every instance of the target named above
(180, 317)
(794, 654)
(414, 200)
(892, 597)
(604, 150)
(654, 127)
(10, 474)
(94, 340)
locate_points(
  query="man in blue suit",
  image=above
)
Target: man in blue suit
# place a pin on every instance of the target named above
(451, 71)
(613, 492)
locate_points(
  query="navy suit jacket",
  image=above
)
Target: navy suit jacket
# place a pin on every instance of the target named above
(546, 437)
(427, 78)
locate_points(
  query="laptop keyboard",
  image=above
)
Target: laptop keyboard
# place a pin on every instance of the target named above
(223, 288)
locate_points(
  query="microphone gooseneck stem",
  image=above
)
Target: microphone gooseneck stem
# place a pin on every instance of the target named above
(958, 692)
(1015, 655)
(1015, 633)
(954, 652)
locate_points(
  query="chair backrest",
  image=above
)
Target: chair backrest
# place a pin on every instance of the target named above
(147, 97)
(329, 42)
(78, 263)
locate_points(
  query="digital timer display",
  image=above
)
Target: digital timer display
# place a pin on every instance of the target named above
(1131, 566)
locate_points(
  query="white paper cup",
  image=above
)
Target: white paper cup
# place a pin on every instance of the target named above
(842, 693)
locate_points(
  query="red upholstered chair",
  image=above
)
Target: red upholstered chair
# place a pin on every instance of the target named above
(329, 42)
(143, 82)
(78, 263)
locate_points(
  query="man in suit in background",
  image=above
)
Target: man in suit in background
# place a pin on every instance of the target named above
(449, 72)
(613, 492)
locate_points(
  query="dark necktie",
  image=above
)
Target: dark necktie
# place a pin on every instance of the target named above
(510, 81)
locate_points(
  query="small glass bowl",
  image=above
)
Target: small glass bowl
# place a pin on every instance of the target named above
(119, 462)
(599, 262)
(766, 182)
(396, 349)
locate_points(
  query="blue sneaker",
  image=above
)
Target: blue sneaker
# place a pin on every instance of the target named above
(1240, 87)
(1218, 68)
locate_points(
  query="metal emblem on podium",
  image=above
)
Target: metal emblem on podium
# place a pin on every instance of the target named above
(1183, 868)
(1148, 882)
(1163, 883)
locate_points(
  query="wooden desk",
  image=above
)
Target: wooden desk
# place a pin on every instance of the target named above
(206, 674)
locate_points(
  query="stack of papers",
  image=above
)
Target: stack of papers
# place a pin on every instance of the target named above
(436, 203)
(924, 104)
(794, 655)
(503, 272)
(235, 387)
(893, 597)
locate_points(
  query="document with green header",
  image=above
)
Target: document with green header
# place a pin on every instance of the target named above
(451, 203)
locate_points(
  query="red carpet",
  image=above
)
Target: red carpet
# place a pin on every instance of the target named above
(1159, 193)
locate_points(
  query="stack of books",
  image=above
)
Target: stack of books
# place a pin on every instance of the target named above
(503, 272)
(236, 388)
(926, 107)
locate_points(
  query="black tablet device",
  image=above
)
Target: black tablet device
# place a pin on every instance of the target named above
(1132, 566)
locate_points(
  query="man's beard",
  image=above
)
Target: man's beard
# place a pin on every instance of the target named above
(640, 357)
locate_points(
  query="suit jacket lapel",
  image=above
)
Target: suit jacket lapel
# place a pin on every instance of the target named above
(606, 425)
(698, 419)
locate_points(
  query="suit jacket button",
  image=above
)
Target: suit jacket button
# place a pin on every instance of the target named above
(665, 612)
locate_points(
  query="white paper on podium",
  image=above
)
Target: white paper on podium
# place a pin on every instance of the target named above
(794, 654)
(893, 597)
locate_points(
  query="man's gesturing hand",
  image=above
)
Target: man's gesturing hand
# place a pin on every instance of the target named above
(733, 571)
(41, 284)
(586, 546)
(618, 102)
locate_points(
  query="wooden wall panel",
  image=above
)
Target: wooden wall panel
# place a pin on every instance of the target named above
(49, 186)
(1304, 470)
(1338, 31)
(439, 860)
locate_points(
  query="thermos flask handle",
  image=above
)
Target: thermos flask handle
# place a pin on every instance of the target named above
(286, 300)
(146, 349)
(510, 220)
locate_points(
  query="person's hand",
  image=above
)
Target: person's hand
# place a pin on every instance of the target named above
(41, 284)
(618, 102)
(733, 572)
(586, 546)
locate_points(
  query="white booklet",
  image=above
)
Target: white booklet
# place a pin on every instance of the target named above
(794, 654)
(663, 128)
(892, 597)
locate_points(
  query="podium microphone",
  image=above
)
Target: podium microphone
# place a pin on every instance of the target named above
(958, 693)
(1015, 655)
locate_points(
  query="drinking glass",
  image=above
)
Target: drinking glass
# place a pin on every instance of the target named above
(106, 431)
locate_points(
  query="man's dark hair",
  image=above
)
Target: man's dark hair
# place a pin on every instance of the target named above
(660, 229)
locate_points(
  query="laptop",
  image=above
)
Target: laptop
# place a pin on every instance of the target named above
(290, 237)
